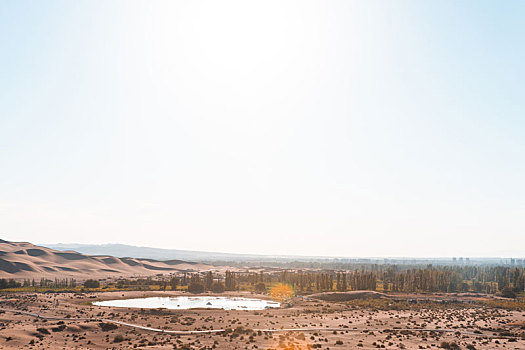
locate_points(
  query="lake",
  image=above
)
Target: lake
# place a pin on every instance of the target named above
(185, 303)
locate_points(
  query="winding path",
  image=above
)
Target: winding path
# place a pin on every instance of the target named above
(266, 330)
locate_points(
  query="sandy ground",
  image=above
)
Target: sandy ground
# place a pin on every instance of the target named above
(23, 260)
(470, 327)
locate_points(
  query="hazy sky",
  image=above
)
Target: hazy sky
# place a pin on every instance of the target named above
(349, 128)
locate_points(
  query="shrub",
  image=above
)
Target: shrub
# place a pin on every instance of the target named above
(508, 293)
(451, 346)
(196, 288)
(217, 287)
(260, 288)
(118, 338)
(43, 330)
(91, 283)
(59, 328)
(106, 327)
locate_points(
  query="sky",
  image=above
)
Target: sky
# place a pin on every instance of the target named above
(338, 128)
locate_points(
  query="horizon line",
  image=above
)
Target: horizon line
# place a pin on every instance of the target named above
(293, 255)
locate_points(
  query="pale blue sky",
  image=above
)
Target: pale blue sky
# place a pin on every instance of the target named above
(349, 128)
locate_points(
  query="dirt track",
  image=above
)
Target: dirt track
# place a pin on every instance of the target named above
(30, 320)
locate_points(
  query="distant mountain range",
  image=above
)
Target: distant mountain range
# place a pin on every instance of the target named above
(123, 250)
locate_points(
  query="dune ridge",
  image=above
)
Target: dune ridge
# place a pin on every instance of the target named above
(22, 260)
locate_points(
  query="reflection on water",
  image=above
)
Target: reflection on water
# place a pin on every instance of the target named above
(184, 303)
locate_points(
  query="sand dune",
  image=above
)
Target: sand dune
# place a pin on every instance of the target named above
(25, 260)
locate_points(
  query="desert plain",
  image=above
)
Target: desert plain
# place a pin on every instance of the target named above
(367, 321)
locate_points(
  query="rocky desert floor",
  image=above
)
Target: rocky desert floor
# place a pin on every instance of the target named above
(317, 325)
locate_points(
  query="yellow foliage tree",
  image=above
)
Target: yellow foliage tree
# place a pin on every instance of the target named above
(281, 292)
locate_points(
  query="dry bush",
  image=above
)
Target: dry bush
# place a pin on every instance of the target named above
(106, 327)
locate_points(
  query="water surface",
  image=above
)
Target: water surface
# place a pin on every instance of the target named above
(185, 303)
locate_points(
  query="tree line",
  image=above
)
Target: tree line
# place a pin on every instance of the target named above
(387, 278)
(393, 279)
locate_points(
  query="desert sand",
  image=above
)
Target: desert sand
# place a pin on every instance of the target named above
(315, 324)
(21, 260)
